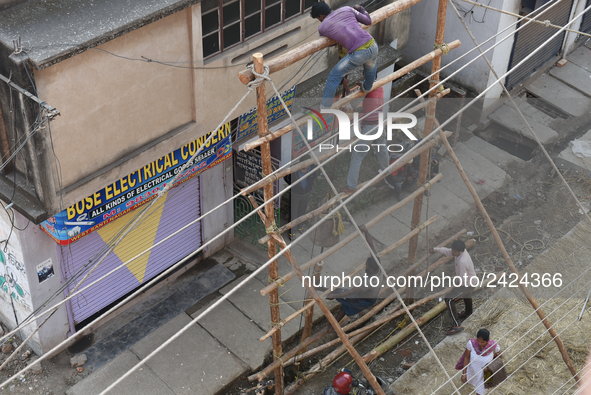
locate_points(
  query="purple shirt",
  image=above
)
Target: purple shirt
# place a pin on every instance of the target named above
(343, 27)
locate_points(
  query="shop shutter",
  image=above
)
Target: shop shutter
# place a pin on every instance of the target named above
(586, 22)
(533, 36)
(181, 206)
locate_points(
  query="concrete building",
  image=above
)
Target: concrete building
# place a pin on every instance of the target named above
(513, 46)
(139, 86)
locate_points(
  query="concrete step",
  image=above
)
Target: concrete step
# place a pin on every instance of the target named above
(501, 158)
(574, 76)
(581, 57)
(195, 363)
(223, 322)
(509, 118)
(144, 381)
(568, 160)
(560, 95)
(249, 300)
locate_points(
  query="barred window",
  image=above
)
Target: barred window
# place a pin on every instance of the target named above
(225, 23)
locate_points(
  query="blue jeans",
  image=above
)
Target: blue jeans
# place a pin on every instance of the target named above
(357, 157)
(366, 57)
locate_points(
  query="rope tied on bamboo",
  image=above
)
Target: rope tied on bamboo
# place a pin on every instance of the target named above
(271, 228)
(276, 280)
(439, 89)
(443, 47)
(420, 227)
(546, 23)
(260, 78)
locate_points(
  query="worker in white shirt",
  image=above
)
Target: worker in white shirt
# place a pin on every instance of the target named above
(465, 270)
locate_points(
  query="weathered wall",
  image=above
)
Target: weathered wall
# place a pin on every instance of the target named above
(216, 187)
(15, 276)
(40, 252)
(111, 106)
(422, 37)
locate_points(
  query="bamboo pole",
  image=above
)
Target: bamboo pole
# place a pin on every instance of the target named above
(319, 367)
(309, 314)
(508, 260)
(429, 120)
(305, 50)
(352, 236)
(331, 319)
(270, 213)
(366, 328)
(321, 156)
(310, 305)
(378, 83)
(410, 328)
(377, 308)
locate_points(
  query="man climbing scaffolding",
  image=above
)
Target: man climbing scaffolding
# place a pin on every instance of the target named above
(343, 27)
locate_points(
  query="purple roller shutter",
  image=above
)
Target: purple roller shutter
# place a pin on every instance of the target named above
(180, 207)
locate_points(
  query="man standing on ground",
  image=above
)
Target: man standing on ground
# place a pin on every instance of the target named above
(465, 270)
(343, 27)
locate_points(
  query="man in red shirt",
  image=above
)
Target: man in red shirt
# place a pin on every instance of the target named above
(371, 105)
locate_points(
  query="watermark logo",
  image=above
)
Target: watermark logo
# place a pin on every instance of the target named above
(317, 117)
(344, 124)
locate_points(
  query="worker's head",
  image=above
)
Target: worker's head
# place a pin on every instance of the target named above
(371, 266)
(303, 159)
(342, 383)
(482, 337)
(320, 11)
(457, 247)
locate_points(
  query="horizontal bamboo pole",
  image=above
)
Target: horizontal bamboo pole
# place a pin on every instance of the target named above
(309, 305)
(347, 99)
(366, 328)
(300, 52)
(341, 243)
(410, 328)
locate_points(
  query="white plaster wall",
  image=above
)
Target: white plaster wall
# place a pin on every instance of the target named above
(111, 106)
(37, 248)
(216, 187)
(422, 38)
(570, 39)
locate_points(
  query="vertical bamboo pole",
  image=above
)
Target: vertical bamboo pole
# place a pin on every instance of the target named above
(508, 260)
(309, 313)
(270, 213)
(424, 161)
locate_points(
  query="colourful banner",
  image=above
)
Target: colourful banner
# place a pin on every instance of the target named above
(137, 188)
(248, 122)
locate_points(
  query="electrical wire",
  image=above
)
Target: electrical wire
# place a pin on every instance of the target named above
(333, 157)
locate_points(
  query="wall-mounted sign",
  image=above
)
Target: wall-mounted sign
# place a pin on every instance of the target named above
(248, 170)
(45, 270)
(248, 123)
(137, 188)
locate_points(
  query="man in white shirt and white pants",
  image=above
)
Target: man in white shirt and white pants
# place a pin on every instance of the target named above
(465, 270)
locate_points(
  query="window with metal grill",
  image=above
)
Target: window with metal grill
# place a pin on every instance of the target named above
(225, 23)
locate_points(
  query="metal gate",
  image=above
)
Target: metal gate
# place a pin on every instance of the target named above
(532, 36)
(586, 22)
(179, 207)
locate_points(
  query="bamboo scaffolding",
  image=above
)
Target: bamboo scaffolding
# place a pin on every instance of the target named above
(270, 213)
(378, 83)
(305, 50)
(356, 270)
(373, 325)
(343, 242)
(429, 121)
(309, 314)
(331, 319)
(508, 260)
(376, 309)
(321, 156)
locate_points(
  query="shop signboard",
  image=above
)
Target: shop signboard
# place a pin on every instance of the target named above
(137, 188)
